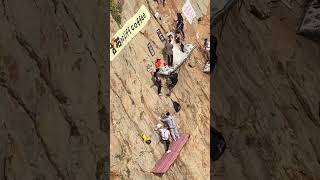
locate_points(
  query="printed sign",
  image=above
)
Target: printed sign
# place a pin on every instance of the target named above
(188, 11)
(150, 48)
(129, 30)
(160, 35)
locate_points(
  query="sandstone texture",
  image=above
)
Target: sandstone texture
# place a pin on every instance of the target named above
(136, 106)
(53, 90)
(311, 22)
(266, 97)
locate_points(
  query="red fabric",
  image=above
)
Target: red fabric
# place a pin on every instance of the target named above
(168, 159)
(158, 64)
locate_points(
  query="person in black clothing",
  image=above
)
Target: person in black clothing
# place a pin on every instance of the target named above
(158, 83)
(182, 47)
(178, 40)
(173, 80)
(180, 24)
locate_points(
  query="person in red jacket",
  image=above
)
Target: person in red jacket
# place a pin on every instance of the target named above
(158, 64)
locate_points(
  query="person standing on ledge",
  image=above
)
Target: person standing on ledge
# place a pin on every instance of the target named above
(165, 134)
(180, 24)
(158, 83)
(169, 52)
(170, 122)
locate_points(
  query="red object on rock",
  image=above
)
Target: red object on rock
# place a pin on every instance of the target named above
(158, 63)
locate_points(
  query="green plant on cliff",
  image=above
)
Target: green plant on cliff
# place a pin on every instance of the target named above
(115, 10)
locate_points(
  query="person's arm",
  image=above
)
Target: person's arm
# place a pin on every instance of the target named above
(173, 121)
(162, 120)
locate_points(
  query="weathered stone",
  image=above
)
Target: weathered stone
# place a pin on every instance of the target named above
(310, 25)
(51, 92)
(266, 97)
(131, 158)
(259, 9)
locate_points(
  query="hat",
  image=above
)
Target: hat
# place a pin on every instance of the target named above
(159, 126)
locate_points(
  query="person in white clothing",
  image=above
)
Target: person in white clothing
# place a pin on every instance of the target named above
(165, 134)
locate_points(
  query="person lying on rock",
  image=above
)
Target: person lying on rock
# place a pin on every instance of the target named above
(164, 134)
(170, 122)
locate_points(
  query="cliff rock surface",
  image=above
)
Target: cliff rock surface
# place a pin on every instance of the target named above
(136, 106)
(52, 90)
(266, 94)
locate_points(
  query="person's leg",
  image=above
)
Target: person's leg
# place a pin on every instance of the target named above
(173, 135)
(159, 89)
(167, 143)
(207, 54)
(176, 133)
(172, 60)
(183, 33)
(170, 90)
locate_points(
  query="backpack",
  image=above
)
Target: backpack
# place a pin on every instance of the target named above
(176, 106)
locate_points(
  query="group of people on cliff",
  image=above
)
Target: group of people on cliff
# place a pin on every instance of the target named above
(173, 77)
(168, 126)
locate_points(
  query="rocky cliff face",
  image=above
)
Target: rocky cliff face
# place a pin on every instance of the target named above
(52, 90)
(266, 94)
(310, 25)
(136, 107)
